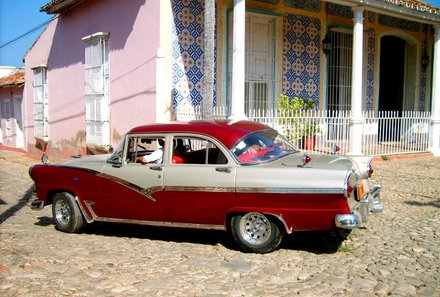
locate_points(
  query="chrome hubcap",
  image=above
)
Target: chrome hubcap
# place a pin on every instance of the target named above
(62, 212)
(255, 228)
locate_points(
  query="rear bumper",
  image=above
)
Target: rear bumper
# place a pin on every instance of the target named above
(371, 203)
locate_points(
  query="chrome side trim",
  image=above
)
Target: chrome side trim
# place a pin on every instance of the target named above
(163, 224)
(145, 192)
(256, 190)
(84, 213)
(291, 190)
(288, 230)
(90, 209)
(200, 189)
(91, 171)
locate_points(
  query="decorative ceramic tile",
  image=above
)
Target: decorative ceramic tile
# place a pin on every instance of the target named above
(301, 57)
(340, 10)
(188, 53)
(399, 23)
(311, 5)
(370, 69)
(422, 90)
(371, 17)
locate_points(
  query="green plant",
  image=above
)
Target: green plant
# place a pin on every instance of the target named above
(310, 129)
(291, 117)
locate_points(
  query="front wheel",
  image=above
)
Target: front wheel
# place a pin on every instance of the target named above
(66, 213)
(255, 233)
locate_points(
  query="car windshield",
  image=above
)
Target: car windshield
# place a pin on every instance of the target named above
(116, 157)
(262, 147)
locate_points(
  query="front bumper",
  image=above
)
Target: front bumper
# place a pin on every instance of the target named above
(371, 203)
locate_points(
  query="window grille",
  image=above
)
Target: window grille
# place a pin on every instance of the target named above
(40, 102)
(340, 71)
(259, 61)
(97, 89)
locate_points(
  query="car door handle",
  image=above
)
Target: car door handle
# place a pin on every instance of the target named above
(156, 168)
(224, 169)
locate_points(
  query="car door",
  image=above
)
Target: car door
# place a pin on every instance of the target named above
(132, 190)
(199, 181)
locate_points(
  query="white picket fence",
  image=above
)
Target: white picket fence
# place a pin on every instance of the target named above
(384, 133)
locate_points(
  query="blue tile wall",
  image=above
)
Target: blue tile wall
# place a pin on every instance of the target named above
(301, 57)
(188, 53)
(370, 69)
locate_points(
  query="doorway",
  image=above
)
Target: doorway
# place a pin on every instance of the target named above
(260, 61)
(398, 75)
(18, 118)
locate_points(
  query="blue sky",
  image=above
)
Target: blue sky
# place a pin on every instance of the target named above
(18, 17)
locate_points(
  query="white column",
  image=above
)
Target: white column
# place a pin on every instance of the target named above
(161, 78)
(435, 106)
(356, 120)
(238, 61)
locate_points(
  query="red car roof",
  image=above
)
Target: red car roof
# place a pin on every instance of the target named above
(227, 132)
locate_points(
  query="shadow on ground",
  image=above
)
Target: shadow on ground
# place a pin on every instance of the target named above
(15, 208)
(317, 242)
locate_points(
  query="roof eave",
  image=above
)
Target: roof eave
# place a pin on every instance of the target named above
(12, 85)
(60, 6)
(394, 10)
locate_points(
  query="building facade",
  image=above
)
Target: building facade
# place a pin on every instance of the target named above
(101, 67)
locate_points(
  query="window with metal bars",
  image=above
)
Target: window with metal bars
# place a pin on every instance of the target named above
(40, 102)
(340, 71)
(97, 89)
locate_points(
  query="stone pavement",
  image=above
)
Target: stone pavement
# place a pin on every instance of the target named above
(396, 254)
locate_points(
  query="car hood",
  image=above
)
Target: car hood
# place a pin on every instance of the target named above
(93, 162)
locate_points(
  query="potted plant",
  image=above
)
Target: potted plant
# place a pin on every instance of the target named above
(292, 119)
(310, 130)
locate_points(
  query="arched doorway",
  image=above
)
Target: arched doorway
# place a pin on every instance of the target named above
(398, 79)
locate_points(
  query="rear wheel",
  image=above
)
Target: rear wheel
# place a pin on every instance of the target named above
(66, 213)
(255, 233)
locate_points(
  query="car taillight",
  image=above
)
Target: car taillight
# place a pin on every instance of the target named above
(348, 188)
(370, 171)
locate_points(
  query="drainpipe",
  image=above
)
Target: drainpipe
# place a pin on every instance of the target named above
(435, 106)
(357, 120)
(238, 61)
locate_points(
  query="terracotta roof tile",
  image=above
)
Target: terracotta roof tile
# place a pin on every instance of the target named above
(416, 5)
(15, 79)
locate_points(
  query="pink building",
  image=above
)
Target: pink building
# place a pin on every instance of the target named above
(11, 117)
(78, 100)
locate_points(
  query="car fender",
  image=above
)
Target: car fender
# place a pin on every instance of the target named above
(230, 212)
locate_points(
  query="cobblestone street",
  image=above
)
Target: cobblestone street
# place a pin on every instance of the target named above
(396, 254)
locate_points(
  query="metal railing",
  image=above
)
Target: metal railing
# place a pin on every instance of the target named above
(384, 133)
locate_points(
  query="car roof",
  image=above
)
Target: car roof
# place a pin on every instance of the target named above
(226, 131)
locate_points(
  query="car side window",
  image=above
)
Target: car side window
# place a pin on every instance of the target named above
(142, 147)
(194, 150)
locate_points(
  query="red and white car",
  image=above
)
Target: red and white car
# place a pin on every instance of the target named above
(243, 177)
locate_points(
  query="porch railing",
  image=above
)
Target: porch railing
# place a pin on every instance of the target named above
(384, 133)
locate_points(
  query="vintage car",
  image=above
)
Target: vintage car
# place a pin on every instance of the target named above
(243, 177)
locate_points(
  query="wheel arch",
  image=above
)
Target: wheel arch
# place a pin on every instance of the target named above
(276, 218)
(51, 194)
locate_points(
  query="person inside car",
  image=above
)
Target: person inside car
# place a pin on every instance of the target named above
(156, 156)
